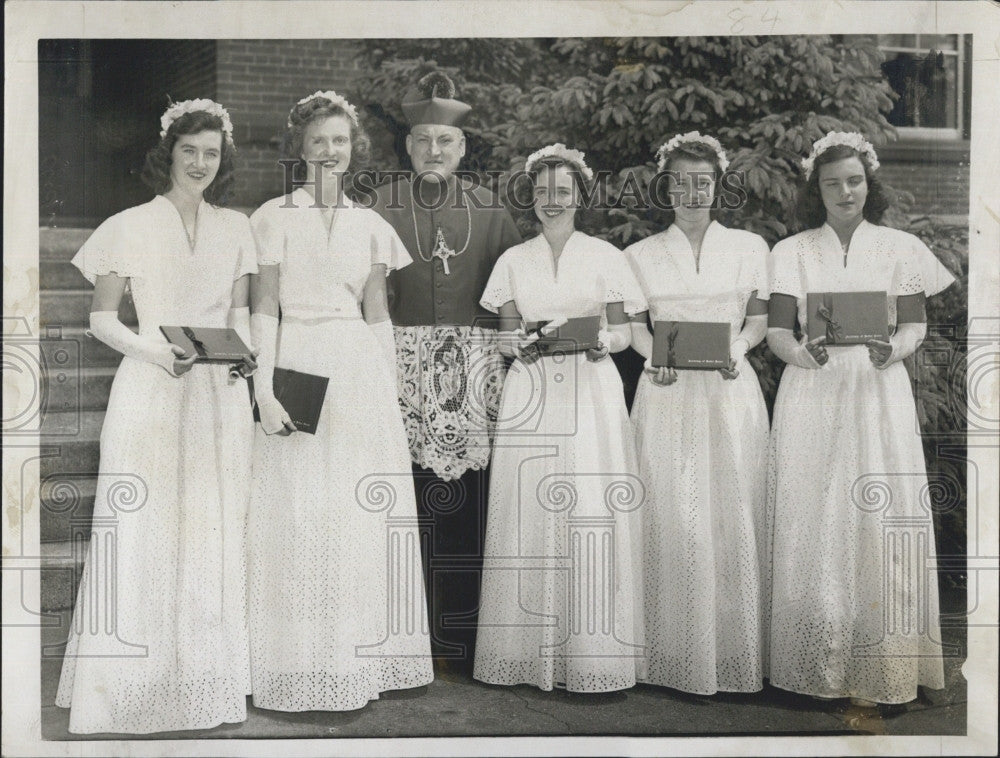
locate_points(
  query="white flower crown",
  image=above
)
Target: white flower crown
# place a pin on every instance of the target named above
(334, 98)
(674, 142)
(559, 150)
(850, 139)
(176, 110)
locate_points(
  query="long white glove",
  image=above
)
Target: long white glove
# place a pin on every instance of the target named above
(784, 345)
(616, 337)
(238, 319)
(106, 327)
(264, 337)
(753, 331)
(642, 342)
(904, 343)
(387, 341)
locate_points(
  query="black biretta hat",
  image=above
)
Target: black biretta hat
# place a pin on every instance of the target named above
(433, 101)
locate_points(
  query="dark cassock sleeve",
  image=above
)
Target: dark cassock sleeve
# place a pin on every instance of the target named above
(383, 198)
(507, 235)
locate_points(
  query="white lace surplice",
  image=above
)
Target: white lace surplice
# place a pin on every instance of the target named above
(337, 609)
(450, 380)
(556, 607)
(854, 603)
(701, 444)
(172, 495)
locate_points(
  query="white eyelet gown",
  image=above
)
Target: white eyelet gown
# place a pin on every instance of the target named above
(167, 553)
(337, 608)
(702, 448)
(853, 600)
(557, 604)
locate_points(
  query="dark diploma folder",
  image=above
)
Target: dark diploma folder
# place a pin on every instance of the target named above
(691, 344)
(575, 335)
(301, 395)
(847, 318)
(210, 344)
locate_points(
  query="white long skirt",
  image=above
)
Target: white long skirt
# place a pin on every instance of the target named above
(159, 638)
(337, 609)
(702, 447)
(557, 601)
(854, 597)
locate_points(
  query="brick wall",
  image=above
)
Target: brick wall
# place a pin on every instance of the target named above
(936, 174)
(259, 81)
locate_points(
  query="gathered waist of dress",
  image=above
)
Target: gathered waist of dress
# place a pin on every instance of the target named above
(312, 314)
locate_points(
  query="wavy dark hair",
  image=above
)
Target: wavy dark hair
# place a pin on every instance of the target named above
(553, 162)
(809, 208)
(314, 110)
(156, 171)
(691, 151)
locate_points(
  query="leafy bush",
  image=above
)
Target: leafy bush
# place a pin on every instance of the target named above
(938, 372)
(618, 99)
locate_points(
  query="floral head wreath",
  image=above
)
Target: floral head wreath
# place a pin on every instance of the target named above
(334, 98)
(176, 110)
(667, 147)
(559, 150)
(849, 139)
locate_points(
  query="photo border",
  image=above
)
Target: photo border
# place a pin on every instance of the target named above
(27, 21)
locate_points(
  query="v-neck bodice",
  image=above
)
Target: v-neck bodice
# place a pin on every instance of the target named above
(878, 258)
(679, 242)
(733, 266)
(323, 270)
(190, 237)
(172, 282)
(591, 273)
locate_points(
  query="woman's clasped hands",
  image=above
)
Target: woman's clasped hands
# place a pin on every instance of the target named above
(182, 361)
(660, 375)
(879, 352)
(817, 350)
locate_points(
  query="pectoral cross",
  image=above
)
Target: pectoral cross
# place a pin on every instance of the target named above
(442, 251)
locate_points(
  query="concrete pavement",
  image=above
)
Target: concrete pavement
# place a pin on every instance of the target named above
(456, 705)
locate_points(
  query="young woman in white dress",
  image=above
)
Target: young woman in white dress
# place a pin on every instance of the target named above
(337, 610)
(854, 603)
(556, 607)
(701, 439)
(159, 640)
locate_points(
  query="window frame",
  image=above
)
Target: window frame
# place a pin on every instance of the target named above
(936, 133)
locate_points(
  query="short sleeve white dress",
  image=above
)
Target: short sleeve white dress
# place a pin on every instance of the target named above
(337, 608)
(159, 638)
(557, 603)
(853, 600)
(702, 447)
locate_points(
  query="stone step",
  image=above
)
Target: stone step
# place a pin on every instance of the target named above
(84, 390)
(60, 244)
(62, 569)
(60, 275)
(67, 308)
(67, 504)
(73, 439)
(70, 349)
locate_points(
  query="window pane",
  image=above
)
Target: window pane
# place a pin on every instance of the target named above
(897, 40)
(939, 41)
(928, 89)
